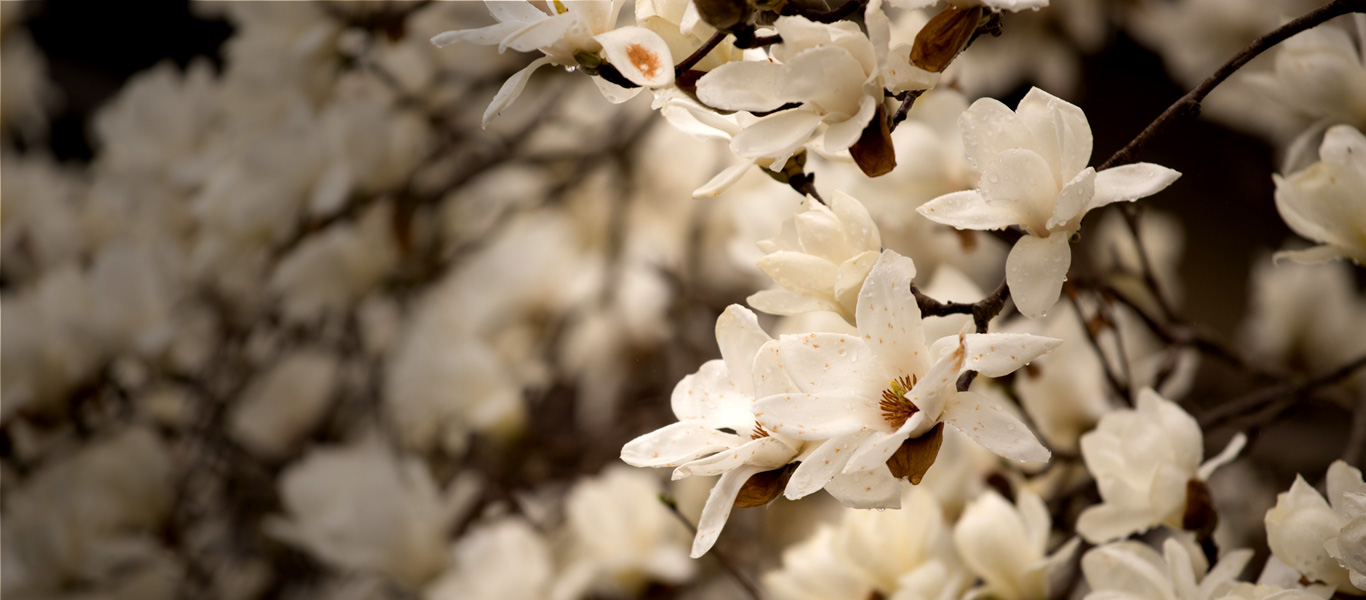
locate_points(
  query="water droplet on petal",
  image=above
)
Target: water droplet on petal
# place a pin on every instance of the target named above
(570, 68)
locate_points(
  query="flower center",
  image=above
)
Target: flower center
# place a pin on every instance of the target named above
(896, 408)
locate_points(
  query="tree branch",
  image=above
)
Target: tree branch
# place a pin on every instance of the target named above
(721, 558)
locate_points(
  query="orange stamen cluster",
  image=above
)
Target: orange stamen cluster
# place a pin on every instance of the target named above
(895, 407)
(759, 432)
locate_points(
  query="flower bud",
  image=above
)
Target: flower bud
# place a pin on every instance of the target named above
(916, 455)
(947, 34)
(724, 15)
(765, 487)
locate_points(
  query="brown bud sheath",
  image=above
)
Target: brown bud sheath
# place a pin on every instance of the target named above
(1200, 516)
(873, 152)
(940, 41)
(762, 488)
(723, 14)
(916, 455)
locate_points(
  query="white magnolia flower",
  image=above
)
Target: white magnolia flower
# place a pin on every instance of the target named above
(1280, 333)
(1324, 539)
(284, 403)
(504, 559)
(717, 433)
(1143, 459)
(858, 398)
(1326, 202)
(903, 554)
(1134, 571)
(1064, 393)
(832, 70)
(575, 26)
(820, 259)
(1006, 545)
(363, 507)
(1033, 174)
(621, 537)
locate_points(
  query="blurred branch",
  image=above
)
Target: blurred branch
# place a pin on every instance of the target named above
(982, 311)
(716, 553)
(1120, 388)
(1267, 403)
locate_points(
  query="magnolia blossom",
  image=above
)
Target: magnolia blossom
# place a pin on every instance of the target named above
(1134, 571)
(717, 432)
(575, 26)
(1326, 202)
(1144, 459)
(504, 559)
(899, 555)
(858, 398)
(1324, 539)
(820, 259)
(1033, 174)
(832, 70)
(1006, 545)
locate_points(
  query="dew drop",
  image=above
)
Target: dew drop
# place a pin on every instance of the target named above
(881, 510)
(1010, 427)
(570, 68)
(842, 352)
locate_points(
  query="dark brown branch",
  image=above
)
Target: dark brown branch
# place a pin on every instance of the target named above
(907, 101)
(699, 54)
(1190, 103)
(982, 311)
(721, 558)
(1259, 401)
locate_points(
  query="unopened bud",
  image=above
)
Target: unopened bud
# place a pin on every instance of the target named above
(873, 152)
(724, 15)
(947, 34)
(1199, 516)
(917, 455)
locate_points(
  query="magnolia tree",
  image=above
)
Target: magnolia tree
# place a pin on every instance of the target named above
(378, 308)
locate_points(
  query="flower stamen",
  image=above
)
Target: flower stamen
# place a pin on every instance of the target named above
(759, 432)
(896, 408)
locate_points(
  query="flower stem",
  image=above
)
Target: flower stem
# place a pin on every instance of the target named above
(721, 559)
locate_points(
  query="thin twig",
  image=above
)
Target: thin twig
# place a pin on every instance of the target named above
(1263, 398)
(982, 311)
(1120, 389)
(699, 54)
(721, 559)
(1190, 103)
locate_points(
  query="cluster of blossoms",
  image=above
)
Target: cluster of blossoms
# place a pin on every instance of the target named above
(376, 308)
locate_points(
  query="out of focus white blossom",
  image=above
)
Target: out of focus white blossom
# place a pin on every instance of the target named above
(1323, 539)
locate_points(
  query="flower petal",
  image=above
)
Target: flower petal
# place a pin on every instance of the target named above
(827, 76)
(776, 136)
(997, 354)
(822, 465)
(1130, 182)
(1074, 198)
(512, 88)
(1310, 256)
(1061, 133)
(801, 273)
(1035, 270)
(740, 337)
(993, 427)
(867, 489)
(741, 85)
(484, 36)
(888, 316)
(677, 443)
(859, 227)
(640, 54)
(515, 11)
(1106, 522)
(717, 509)
(816, 417)
(722, 181)
(783, 302)
(1021, 181)
(990, 128)
(967, 210)
(539, 34)
(831, 362)
(766, 452)
(1346, 146)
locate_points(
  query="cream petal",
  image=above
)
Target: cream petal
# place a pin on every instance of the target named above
(613, 92)
(640, 55)
(1228, 455)
(1311, 256)
(993, 427)
(876, 488)
(990, 128)
(1346, 146)
(484, 36)
(1105, 522)
(1350, 547)
(718, 506)
(783, 302)
(739, 335)
(539, 34)
(859, 227)
(968, 210)
(741, 85)
(677, 443)
(776, 136)
(1343, 479)
(831, 362)
(850, 276)
(888, 316)
(1073, 200)
(822, 465)
(1061, 133)
(722, 181)
(766, 452)
(1021, 181)
(820, 233)
(996, 354)
(879, 447)
(827, 76)
(770, 378)
(515, 11)
(1035, 270)
(800, 273)
(991, 539)
(1132, 568)
(1130, 182)
(512, 88)
(816, 417)
(841, 134)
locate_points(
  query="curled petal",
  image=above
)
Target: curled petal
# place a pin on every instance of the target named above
(967, 210)
(718, 506)
(776, 136)
(997, 354)
(741, 85)
(640, 54)
(1131, 182)
(994, 428)
(1035, 270)
(675, 444)
(512, 88)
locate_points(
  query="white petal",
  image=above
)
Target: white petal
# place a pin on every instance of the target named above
(1061, 134)
(1346, 146)
(888, 316)
(858, 225)
(996, 354)
(675, 444)
(515, 11)
(1311, 256)
(776, 136)
(539, 34)
(1230, 453)
(801, 273)
(613, 92)
(990, 128)
(850, 277)
(741, 85)
(1343, 480)
(717, 510)
(770, 378)
(484, 36)
(816, 417)
(868, 489)
(1106, 522)
(993, 427)
(828, 76)
(819, 467)
(991, 539)
(722, 181)
(511, 89)
(767, 452)
(1131, 568)
(1074, 198)
(1035, 270)
(640, 54)
(967, 210)
(740, 337)
(1021, 181)
(783, 302)
(879, 446)
(841, 134)
(1131, 182)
